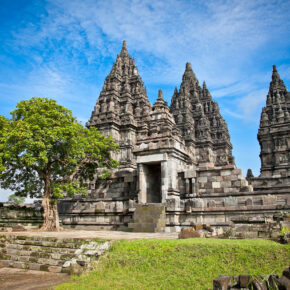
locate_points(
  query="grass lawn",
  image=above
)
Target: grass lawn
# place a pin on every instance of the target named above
(181, 264)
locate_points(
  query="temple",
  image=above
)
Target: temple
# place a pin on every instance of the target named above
(274, 138)
(176, 164)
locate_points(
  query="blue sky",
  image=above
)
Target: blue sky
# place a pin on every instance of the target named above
(64, 49)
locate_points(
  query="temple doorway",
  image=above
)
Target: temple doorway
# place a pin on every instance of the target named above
(153, 182)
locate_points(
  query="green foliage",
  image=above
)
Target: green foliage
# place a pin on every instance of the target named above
(16, 199)
(285, 230)
(181, 264)
(43, 142)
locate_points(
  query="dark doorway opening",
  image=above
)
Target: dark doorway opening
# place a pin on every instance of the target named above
(153, 182)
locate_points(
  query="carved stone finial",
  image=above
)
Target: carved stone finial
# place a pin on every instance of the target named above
(249, 174)
(160, 95)
(275, 74)
(124, 50)
(188, 66)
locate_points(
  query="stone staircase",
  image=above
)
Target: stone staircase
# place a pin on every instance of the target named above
(59, 255)
(148, 218)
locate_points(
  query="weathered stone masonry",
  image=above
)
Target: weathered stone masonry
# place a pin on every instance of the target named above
(181, 156)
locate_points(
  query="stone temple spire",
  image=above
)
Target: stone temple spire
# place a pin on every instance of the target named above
(275, 129)
(123, 99)
(276, 84)
(198, 117)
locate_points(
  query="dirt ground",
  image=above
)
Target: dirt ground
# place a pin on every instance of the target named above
(16, 279)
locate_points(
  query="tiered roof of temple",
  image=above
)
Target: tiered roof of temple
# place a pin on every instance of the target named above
(193, 119)
(198, 117)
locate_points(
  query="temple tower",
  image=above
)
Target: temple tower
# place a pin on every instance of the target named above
(198, 117)
(274, 131)
(122, 106)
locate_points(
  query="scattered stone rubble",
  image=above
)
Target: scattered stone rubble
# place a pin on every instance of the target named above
(265, 282)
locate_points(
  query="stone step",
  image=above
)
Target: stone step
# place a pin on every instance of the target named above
(31, 266)
(47, 239)
(34, 260)
(42, 249)
(48, 254)
(36, 254)
(56, 243)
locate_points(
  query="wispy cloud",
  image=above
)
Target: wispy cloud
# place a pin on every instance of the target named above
(67, 48)
(217, 36)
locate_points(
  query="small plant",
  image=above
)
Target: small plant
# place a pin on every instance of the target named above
(284, 233)
(13, 198)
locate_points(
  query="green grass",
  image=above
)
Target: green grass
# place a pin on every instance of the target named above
(181, 264)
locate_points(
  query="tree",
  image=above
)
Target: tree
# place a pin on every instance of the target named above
(16, 199)
(45, 152)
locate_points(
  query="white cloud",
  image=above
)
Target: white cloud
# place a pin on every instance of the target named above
(251, 105)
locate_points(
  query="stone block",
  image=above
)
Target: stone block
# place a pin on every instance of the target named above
(244, 182)
(286, 273)
(269, 200)
(244, 281)
(284, 283)
(75, 269)
(237, 172)
(218, 190)
(198, 227)
(219, 178)
(20, 265)
(236, 183)
(54, 269)
(226, 184)
(211, 203)
(208, 185)
(216, 185)
(191, 173)
(249, 201)
(226, 172)
(198, 203)
(258, 285)
(34, 266)
(202, 179)
(100, 206)
(221, 283)
(189, 233)
(230, 201)
(129, 178)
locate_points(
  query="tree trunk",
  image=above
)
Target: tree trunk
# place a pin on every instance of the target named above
(50, 213)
